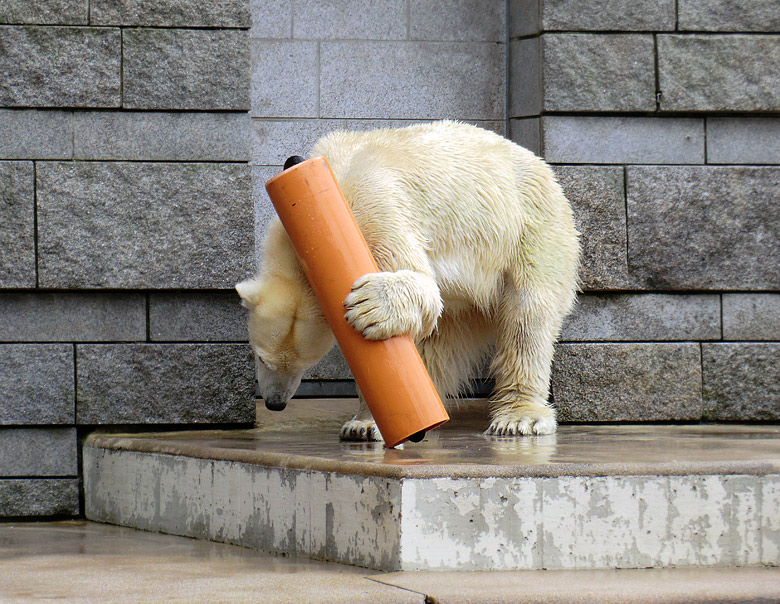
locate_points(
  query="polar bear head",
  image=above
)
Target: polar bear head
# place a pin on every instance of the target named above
(287, 331)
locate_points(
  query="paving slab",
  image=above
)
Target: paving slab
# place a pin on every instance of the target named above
(84, 562)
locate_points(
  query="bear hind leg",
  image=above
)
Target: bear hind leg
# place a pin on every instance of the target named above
(528, 324)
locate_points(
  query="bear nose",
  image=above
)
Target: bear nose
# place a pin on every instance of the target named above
(275, 403)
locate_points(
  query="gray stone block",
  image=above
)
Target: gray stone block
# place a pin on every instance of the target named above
(161, 136)
(597, 197)
(45, 12)
(35, 134)
(263, 208)
(728, 15)
(349, 19)
(143, 225)
(524, 18)
(333, 366)
(38, 384)
(751, 317)
(627, 382)
(197, 316)
(621, 140)
(628, 317)
(38, 452)
(170, 13)
(21, 497)
(745, 140)
(525, 86)
(271, 19)
(17, 228)
(412, 80)
(458, 20)
(527, 133)
(59, 67)
(719, 72)
(741, 381)
(289, 92)
(72, 317)
(702, 227)
(273, 141)
(185, 69)
(598, 72)
(164, 383)
(608, 15)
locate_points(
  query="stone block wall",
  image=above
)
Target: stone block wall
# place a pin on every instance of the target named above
(662, 121)
(135, 138)
(125, 219)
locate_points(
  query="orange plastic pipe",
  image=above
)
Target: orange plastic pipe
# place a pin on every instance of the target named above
(334, 254)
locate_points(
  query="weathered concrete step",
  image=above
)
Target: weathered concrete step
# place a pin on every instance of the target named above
(588, 497)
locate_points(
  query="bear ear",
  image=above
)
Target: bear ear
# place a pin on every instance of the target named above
(249, 291)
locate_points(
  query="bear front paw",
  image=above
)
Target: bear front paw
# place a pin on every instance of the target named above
(360, 430)
(378, 307)
(523, 423)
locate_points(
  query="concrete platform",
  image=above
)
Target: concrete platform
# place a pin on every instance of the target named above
(589, 497)
(88, 563)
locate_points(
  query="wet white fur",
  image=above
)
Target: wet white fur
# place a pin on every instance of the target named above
(477, 246)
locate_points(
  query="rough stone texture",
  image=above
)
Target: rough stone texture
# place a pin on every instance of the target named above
(39, 497)
(38, 383)
(741, 381)
(349, 19)
(751, 317)
(412, 80)
(701, 227)
(164, 383)
(35, 134)
(747, 140)
(17, 229)
(161, 136)
(271, 19)
(333, 366)
(525, 87)
(143, 225)
(38, 452)
(45, 12)
(197, 316)
(719, 72)
(598, 72)
(606, 15)
(264, 210)
(72, 317)
(627, 382)
(728, 15)
(59, 67)
(457, 20)
(185, 69)
(628, 317)
(170, 13)
(289, 92)
(622, 140)
(597, 198)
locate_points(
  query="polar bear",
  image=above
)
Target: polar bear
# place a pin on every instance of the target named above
(477, 252)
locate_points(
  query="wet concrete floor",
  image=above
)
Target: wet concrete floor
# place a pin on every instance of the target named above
(83, 562)
(307, 436)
